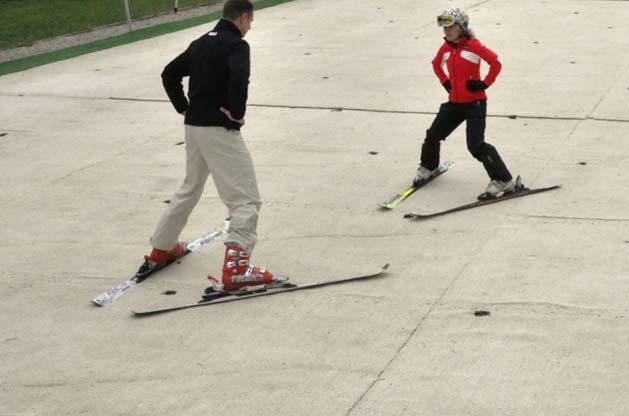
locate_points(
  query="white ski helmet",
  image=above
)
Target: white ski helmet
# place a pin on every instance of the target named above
(453, 16)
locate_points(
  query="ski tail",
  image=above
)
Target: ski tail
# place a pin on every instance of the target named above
(211, 236)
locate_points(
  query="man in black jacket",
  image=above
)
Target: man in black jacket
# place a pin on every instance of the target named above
(218, 66)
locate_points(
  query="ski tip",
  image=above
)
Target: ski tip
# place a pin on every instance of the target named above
(385, 267)
(384, 206)
(97, 303)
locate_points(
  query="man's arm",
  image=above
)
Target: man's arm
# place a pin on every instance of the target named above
(239, 69)
(171, 79)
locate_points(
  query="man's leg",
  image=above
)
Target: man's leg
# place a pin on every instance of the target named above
(232, 169)
(186, 198)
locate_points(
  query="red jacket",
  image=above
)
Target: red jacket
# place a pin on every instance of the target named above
(462, 60)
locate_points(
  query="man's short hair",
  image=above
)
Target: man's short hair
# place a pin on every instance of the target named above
(233, 9)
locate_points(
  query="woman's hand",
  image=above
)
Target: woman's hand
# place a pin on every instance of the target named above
(475, 85)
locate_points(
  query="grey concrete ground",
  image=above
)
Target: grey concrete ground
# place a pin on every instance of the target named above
(84, 177)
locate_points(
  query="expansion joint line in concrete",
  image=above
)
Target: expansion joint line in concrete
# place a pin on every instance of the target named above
(561, 146)
(419, 324)
(376, 110)
(621, 74)
(339, 109)
(561, 217)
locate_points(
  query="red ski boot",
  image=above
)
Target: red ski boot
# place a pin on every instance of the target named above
(237, 273)
(160, 258)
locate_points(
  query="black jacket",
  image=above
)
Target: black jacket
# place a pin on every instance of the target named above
(218, 66)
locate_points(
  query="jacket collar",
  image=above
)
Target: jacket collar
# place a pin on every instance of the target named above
(463, 41)
(224, 25)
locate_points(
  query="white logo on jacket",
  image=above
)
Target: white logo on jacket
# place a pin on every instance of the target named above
(470, 56)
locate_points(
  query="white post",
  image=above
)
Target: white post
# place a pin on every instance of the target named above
(176, 10)
(126, 8)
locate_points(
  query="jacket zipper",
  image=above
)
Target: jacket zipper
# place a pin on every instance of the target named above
(454, 62)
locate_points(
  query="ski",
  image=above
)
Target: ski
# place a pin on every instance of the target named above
(145, 270)
(248, 293)
(397, 200)
(520, 191)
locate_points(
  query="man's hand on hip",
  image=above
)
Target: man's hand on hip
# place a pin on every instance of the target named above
(229, 116)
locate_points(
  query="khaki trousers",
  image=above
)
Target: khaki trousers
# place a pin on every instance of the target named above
(223, 154)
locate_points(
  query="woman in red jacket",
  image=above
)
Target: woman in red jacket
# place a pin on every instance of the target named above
(461, 53)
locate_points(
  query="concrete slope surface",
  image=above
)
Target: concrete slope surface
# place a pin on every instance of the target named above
(340, 97)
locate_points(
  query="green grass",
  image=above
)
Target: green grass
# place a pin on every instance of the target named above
(23, 22)
(149, 32)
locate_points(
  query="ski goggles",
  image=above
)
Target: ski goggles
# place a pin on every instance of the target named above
(445, 21)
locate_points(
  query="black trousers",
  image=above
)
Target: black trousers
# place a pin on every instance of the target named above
(450, 116)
